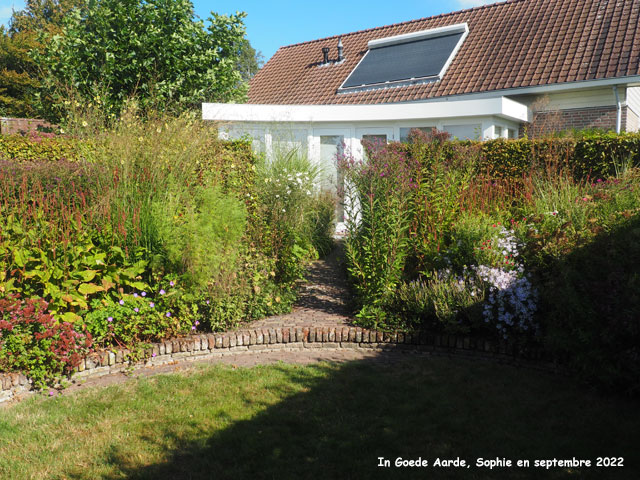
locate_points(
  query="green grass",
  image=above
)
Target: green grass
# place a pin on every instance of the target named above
(321, 421)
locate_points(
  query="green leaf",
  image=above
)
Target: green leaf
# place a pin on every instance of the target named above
(89, 288)
(18, 258)
(88, 275)
(71, 317)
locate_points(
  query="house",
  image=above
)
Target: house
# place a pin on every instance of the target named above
(498, 70)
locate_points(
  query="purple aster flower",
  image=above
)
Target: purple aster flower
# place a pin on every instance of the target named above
(171, 283)
(135, 295)
(136, 309)
(168, 314)
(152, 304)
(193, 327)
(110, 319)
(121, 302)
(162, 292)
(144, 294)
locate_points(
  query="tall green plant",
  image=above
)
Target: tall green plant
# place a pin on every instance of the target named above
(379, 195)
(201, 236)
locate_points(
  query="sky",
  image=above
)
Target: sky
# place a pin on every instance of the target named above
(275, 23)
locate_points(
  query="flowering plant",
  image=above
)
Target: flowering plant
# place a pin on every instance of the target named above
(32, 341)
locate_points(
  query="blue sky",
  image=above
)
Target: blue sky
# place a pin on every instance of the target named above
(272, 24)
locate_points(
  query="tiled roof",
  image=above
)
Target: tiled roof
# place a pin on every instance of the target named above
(518, 43)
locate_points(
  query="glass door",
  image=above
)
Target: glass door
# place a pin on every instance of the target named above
(331, 147)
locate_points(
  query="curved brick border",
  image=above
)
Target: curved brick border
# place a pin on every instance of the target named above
(205, 346)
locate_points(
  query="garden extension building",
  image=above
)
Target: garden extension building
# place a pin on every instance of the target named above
(495, 71)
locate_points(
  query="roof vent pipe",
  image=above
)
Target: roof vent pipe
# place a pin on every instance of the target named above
(340, 50)
(325, 53)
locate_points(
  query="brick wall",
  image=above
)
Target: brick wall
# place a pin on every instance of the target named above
(213, 345)
(603, 118)
(12, 126)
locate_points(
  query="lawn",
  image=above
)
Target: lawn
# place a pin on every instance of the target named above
(321, 421)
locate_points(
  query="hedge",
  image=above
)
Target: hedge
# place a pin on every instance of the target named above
(39, 148)
(594, 155)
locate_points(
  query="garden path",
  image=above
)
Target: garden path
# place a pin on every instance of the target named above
(324, 297)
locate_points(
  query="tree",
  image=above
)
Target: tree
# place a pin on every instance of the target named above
(155, 51)
(42, 15)
(20, 74)
(249, 61)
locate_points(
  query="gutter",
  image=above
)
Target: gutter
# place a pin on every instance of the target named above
(633, 80)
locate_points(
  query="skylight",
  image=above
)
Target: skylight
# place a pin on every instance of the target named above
(407, 59)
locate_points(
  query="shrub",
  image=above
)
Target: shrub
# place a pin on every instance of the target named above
(40, 147)
(594, 155)
(32, 341)
(443, 303)
(200, 236)
(288, 214)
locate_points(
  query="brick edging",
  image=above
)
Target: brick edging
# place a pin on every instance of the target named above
(212, 345)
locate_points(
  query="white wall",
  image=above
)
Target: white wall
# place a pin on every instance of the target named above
(595, 97)
(306, 135)
(633, 99)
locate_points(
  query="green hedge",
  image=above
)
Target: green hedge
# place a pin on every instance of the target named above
(31, 149)
(594, 155)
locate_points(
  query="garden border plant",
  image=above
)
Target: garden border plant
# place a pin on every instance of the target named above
(154, 228)
(475, 245)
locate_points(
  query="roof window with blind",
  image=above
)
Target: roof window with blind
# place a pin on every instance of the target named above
(417, 57)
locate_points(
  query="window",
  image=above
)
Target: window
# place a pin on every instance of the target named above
(464, 132)
(286, 141)
(404, 132)
(497, 131)
(255, 135)
(380, 138)
(511, 133)
(410, 58)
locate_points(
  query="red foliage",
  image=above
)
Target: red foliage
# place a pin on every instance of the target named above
(66, 346)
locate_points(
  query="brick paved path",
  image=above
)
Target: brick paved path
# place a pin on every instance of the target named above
(323, 300)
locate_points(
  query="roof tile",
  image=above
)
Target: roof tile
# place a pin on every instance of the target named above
(517, 43)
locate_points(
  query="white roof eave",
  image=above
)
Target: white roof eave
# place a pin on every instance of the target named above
(498, 106)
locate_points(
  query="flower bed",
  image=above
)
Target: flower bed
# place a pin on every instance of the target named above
(157, 230)
(437, 243)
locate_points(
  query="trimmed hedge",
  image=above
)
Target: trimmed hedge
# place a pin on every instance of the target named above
(594, 155)
(39, 148)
